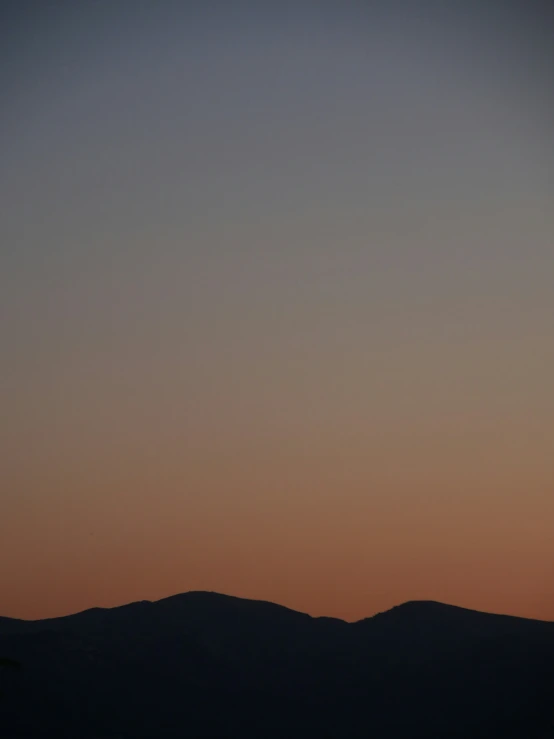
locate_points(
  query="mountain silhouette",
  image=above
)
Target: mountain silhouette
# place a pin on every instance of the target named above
(209, 665)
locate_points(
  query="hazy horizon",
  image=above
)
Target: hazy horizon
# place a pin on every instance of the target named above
(172, 596)
(276, 305)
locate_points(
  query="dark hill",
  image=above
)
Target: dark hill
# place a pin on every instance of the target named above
(210, 665)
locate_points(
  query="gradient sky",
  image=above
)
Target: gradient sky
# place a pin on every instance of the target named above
(277, 305)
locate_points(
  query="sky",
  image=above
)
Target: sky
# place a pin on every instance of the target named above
(277, 304)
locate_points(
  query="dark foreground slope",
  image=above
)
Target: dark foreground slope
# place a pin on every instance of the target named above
(208, 665)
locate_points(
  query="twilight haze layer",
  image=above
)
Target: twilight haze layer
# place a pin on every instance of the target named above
(277, 305)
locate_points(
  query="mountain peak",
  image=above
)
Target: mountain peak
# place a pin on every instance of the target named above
(158, 668)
